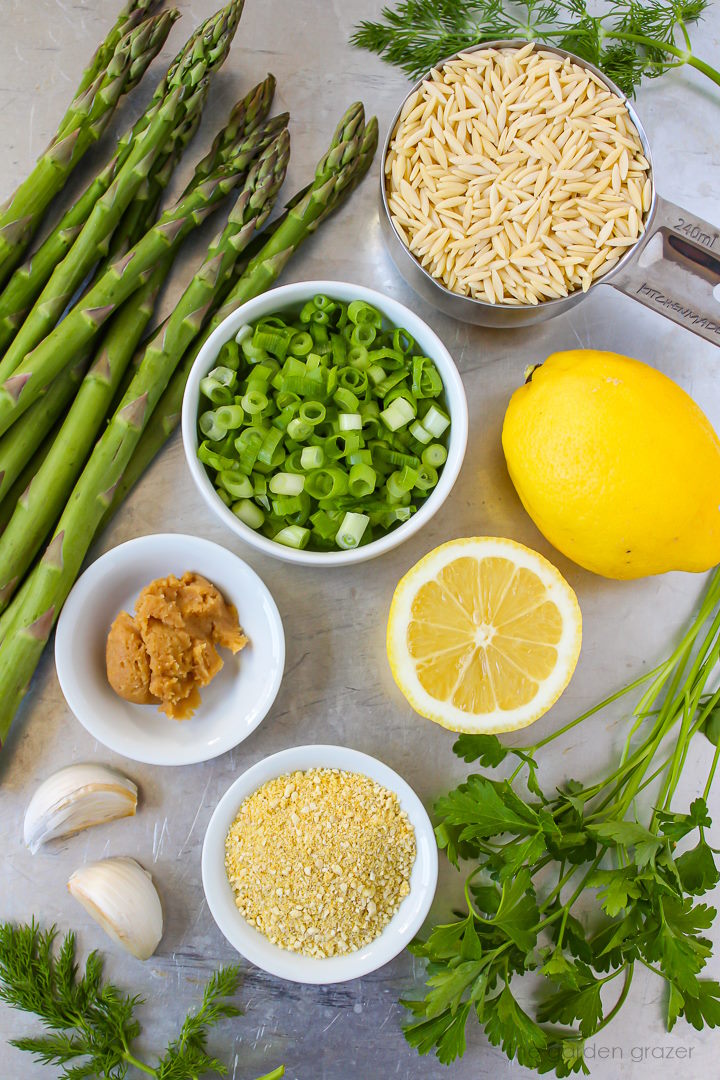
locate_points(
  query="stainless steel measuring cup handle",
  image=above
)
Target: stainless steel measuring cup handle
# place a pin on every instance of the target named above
(676, 270)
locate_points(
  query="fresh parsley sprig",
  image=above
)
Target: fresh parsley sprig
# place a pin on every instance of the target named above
(91, 1023)
(535, 855)
(629, 41)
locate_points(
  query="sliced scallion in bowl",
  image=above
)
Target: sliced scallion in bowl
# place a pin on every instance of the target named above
(324, 428)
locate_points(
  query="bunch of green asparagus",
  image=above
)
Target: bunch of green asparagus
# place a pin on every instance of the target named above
(87, 396)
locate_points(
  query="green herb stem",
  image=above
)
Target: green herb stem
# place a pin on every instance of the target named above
(139, 1065)
(628, 970)
(685, 56)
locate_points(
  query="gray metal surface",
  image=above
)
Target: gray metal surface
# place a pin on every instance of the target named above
(337, 684)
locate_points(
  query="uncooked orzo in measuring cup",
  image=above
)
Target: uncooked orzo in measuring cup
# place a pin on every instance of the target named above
(319, 861)
(516, 176)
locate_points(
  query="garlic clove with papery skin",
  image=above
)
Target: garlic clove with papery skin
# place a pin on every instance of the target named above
(122, 898)
(76, 798)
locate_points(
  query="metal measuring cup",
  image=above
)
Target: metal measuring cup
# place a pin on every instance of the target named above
(674, 268)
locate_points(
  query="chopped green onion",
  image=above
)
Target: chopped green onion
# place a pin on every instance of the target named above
(299, 430)
(312, 425)
(236, 483)
(353, 379)
(427, 478)
(426, 381)
(435, 421)
(285, 506)
(402, 341)
(268, 453)
(210, 427)
(345, 399)
(342, 444)
(362, 480)
(212, 459)
(394, 457)
(254, 402)
(312, 412)
(324, 524)
(357, 357)
(351, 530)
(398, 413)
(324, 303)
(215, 391)
(434, 455)
(312, 457)
(360, 457)
(223, 375)
(401, 482)
(294, 536)
(300, 344)
(326, 483)
(364, 334)
(420, 433)
(389, 381)
(360, 312)
(230, 355)
(229, 417)
(283, 483)
(249, 513)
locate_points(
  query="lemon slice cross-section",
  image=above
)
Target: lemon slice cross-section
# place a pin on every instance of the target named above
(483, 635)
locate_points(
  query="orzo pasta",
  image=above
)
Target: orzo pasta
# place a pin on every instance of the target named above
(516, 176)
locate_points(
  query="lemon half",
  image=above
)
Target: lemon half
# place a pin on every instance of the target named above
(483, 635)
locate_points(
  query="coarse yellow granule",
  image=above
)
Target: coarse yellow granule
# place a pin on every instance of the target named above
(319, 861)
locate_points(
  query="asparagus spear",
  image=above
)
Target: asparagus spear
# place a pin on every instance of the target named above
(128, 18)
(43, 415)
(125, 275)
(38, 508)
(83, 125)
(40, 504)
(166, 416)
(184, 96)
(28, 280)
(29, 469)
(17, 445)
(249, 140)
(28, 625)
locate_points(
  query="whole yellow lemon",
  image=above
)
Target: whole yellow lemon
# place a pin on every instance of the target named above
(616, 465)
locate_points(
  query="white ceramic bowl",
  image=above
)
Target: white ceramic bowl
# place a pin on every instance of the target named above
(253, 945)
(236, 700)
(294, 296)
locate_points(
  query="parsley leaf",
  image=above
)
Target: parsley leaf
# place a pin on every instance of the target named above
(617, 888)
(582, 1003)
(676, 826)
(697, 869)
(444, 1033)
(507, 1025)
(629, 834)
(484, 809)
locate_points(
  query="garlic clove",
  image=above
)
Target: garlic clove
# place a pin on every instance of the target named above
(119, 895)
(76, 798)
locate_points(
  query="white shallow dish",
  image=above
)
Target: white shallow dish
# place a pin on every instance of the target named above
(288, 297)
(253, 945)
(235, 701)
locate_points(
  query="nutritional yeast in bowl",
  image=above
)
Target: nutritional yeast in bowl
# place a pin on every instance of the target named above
(320, 860)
